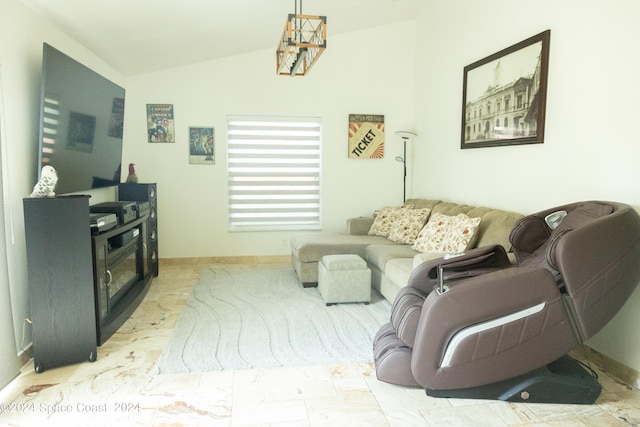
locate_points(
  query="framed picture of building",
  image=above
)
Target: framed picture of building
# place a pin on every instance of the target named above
(504, 96)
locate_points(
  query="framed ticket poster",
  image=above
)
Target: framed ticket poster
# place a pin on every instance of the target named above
(366, 136)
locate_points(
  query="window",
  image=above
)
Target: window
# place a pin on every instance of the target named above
(273, 166)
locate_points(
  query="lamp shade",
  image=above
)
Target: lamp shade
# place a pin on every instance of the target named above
(406, 135)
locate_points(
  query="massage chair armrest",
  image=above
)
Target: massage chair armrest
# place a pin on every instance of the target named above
(359, 226)
(471, 302)
(473, 262)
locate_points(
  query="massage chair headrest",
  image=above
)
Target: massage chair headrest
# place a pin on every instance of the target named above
(533, 239)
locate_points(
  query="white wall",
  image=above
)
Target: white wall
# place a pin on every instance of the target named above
(21, 36)
(369, 72)
(591, 148)
(591, 144)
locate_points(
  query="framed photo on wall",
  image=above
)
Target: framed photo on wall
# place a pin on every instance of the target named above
(504, 96)
(366, 136)
(202, 146)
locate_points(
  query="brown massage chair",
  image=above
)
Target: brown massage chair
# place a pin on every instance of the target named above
(476, 325)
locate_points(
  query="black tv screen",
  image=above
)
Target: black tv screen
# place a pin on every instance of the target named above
(81, 124)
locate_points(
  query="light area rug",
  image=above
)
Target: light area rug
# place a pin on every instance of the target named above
(243, 317)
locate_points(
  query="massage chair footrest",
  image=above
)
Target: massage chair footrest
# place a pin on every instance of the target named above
(563, 381)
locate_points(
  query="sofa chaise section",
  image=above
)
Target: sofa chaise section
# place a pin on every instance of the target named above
(307, 250)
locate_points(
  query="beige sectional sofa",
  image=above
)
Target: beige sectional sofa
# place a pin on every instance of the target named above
(391, 263)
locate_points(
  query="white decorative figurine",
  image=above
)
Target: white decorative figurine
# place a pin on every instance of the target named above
(47, 183)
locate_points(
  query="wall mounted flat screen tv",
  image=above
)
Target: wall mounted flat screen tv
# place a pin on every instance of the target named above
(81, 124)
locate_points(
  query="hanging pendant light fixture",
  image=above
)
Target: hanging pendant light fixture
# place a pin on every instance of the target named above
(303, 40)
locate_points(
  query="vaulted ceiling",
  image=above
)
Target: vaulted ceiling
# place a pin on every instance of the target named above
(140, 36)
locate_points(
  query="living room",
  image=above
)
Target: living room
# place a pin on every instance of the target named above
(410, 72)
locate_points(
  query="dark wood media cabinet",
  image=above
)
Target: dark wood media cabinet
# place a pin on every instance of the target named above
(82, 286)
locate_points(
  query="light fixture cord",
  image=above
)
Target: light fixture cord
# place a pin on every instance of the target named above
(298, 21)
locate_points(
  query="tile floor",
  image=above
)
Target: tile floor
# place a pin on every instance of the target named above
(121, 389)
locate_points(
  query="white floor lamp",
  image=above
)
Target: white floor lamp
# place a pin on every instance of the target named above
(406, 136)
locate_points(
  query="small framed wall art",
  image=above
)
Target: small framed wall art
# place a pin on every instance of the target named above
(202, 146)
(366, 136)
(160, 123)
(504, 96)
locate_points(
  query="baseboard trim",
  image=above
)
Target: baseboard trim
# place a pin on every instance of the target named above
(250, 260)
(619, 371)
(25, 356)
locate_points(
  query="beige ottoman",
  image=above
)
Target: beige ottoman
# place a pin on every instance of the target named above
(344, 278)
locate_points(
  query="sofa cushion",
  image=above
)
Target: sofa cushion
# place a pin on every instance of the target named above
(359, 226)
(407, 224)
(379, 255)
(419, 258)
(422, 203)
(398, 270)
(450, 208)
(384, 219)
(495, 226)
(445, 233)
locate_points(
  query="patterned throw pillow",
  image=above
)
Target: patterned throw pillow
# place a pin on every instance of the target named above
(407, 225)
(384, 220)
(448, 234)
